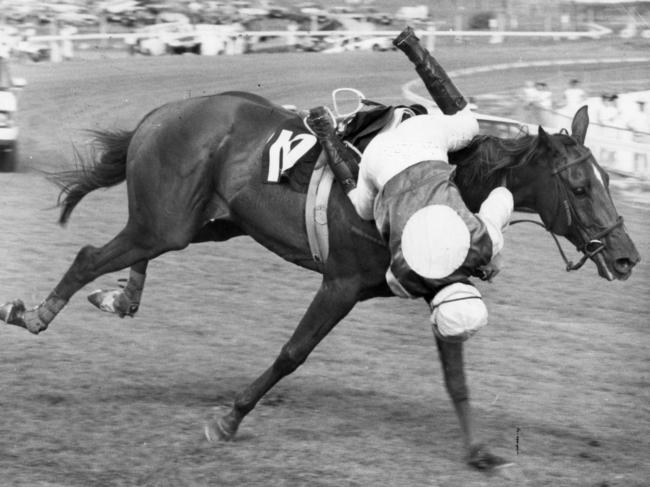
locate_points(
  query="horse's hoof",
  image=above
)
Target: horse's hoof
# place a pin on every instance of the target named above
(12, 312)
(113, 301)
(105, 299)
(216, 431)
(481, 459)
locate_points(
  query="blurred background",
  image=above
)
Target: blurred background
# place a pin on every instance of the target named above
(559, 379)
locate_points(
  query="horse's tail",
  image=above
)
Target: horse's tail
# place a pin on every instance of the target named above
(106, 168)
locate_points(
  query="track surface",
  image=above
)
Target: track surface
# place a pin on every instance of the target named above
(559, 379)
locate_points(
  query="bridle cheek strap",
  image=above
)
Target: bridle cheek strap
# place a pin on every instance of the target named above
(578, 160)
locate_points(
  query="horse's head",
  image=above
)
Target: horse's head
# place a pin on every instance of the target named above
(571, 194)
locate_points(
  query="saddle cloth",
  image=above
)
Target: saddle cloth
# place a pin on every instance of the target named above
(291, 153)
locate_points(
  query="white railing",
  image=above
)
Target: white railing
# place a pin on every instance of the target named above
(620, 150)
(594, 32)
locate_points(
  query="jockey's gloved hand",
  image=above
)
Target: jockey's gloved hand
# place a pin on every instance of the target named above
(490, 270)
(321, 122)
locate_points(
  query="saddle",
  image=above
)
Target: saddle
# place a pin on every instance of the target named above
(357, 133)
(293, 156)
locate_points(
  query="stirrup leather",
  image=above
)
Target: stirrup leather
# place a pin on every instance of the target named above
(343, 161)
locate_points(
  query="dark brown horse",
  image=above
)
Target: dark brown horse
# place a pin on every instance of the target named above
(194, 173)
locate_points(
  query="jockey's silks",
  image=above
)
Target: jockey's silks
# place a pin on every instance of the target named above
(421, 185)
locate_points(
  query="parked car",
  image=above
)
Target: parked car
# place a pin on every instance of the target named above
(36, 51)
(377, 43)
(278, 11)
(78, 18)
(312, 44)
(183, 44)
(8, 127)
(377, 17)
(413, 14)
(134, 18)
(173, 18)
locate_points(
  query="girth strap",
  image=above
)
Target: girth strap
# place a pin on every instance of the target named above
(318, 193)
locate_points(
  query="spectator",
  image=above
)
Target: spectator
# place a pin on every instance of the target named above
(527, 103)
(574, 97)
(544, 104)
(529, 94)
(639, 122)
(67, 48)
(609, 114)
(544, 96)
(5, 77)
(5, 48)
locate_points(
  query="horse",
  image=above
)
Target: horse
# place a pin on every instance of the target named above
(193, 172)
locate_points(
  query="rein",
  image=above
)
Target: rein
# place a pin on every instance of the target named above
(589, 249)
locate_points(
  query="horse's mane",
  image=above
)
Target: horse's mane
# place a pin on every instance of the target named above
(486, 157)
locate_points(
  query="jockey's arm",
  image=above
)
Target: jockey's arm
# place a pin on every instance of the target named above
(363, 196)
(495, 213)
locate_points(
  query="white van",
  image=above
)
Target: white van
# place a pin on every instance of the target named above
(8, 127)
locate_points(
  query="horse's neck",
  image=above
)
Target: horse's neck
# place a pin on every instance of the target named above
(475, 178)
(474, 186)
(477, 191)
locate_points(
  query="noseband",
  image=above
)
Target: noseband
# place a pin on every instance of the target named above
(591, 245)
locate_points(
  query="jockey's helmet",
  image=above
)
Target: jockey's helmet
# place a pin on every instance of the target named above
(458, 311)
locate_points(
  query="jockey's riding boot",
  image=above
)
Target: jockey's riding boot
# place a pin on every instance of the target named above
(448, 98)
(341, 159)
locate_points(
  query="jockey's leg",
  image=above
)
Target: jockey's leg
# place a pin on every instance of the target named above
(332, 302)
(451, 358)
(125, 300)
(443, 91)
(341, 159)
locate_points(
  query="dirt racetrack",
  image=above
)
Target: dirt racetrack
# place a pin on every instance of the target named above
(559, 379)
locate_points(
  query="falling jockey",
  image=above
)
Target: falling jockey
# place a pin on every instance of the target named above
(405, 186)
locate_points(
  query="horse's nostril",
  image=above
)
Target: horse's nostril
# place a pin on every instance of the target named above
(623, 265)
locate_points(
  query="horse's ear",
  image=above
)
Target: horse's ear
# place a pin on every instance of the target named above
(543, 138)
(580, 124)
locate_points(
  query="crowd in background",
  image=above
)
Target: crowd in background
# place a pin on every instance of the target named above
(619, 127)
(608, 110)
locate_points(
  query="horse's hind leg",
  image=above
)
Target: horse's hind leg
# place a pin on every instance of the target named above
(125, 300)
(332, 303)
(130, 246)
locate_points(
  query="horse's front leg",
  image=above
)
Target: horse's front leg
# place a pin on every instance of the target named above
(332, 302)
(451, 358)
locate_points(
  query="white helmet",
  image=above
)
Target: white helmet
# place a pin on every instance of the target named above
(458, 312)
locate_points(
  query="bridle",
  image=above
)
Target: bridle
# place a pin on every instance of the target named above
(591, 245)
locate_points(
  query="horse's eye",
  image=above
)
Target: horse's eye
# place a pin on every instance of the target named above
(580, 191)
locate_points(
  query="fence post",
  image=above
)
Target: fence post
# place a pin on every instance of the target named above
(55, 47)
(431, 37)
